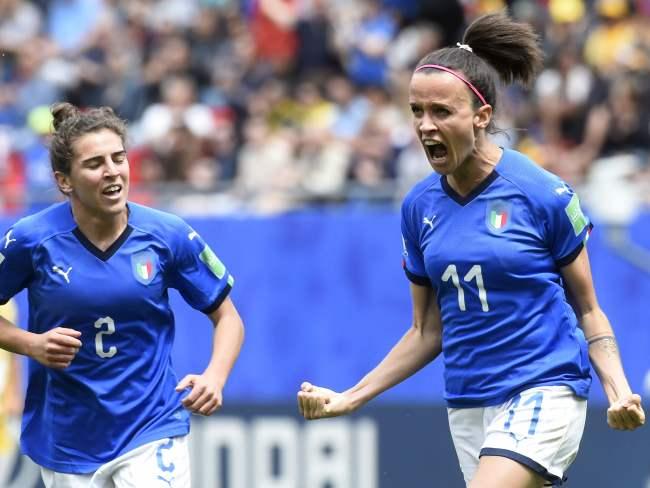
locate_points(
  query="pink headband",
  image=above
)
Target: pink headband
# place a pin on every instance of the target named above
(460, 77)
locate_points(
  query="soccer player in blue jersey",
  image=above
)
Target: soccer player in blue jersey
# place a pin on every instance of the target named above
(103, 406)
(500, 280)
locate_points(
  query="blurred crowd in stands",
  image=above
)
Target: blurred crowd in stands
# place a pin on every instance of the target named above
(266, 105)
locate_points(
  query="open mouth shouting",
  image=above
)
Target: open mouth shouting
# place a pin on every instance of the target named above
(436, 151)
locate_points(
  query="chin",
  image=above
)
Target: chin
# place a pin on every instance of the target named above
(114, 209)
(441, 169)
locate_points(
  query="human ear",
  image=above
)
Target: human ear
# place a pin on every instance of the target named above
(63, 182)
(483, 116)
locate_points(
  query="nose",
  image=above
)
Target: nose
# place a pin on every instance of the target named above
(111, 168)
(427, 124)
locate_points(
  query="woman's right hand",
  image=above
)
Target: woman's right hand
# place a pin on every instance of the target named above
(55, 348)
(315, 402)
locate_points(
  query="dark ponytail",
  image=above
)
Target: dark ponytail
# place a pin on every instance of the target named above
(71, 123)
(511, 48)
(500, 49)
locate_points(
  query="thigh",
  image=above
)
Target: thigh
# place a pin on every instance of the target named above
(497, 472)
(540, 429)
(467, 427)
(53, 479)
(160, 464)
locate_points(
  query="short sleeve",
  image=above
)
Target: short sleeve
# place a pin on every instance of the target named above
(567, 226)
(412, 259)
(16, 267)
(198, 274)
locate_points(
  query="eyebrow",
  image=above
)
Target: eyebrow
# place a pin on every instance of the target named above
(431, 104)
(100, 157)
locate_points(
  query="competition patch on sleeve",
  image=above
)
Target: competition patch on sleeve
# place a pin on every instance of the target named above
(576, 217)
(212, 261)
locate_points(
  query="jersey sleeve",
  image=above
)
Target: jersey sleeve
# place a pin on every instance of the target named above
(198, 274)
(16, 267)
(567, 227)
(412, 259)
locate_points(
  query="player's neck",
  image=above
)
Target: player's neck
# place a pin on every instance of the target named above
(479, 166)
(101, 230)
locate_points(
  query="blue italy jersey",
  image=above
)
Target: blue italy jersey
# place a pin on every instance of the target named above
(494, 258)
(119, 391)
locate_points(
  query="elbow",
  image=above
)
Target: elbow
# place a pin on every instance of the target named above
(431, 340)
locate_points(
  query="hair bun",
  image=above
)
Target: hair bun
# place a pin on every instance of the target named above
(61, 112)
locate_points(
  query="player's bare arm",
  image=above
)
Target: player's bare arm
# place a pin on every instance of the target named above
(206, 395)
(420, 345)
(625, 411)
(55, 348)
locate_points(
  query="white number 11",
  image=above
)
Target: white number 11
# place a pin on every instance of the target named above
(474, 273)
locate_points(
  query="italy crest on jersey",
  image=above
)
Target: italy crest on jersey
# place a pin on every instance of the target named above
(145, 266)
(498, 215)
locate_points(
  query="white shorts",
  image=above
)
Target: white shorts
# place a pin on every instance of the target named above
(160, 464)
(540, 428)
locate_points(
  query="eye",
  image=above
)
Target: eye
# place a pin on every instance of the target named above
(417, 111)
(442, 112)
(119, 157)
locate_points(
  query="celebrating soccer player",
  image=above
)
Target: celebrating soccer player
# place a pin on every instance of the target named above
(494, 248)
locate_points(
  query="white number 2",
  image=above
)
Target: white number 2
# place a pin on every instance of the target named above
(99, 343)
(475, 272)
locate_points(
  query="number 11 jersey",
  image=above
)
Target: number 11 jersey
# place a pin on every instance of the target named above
(493, 258)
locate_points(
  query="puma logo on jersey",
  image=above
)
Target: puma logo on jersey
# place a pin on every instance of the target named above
(65, 274)
(168, 481)
(429, 221)
(405, 252)
(562, 189)
(8, 239)
(2, 257)
(192, 235)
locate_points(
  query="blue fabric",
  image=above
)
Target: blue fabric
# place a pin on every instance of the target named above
(119, 391)
(493, 258)
(71, 21)
(371, 70)
(323, 298)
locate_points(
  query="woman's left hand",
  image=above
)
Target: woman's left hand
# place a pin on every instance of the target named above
(204, 398)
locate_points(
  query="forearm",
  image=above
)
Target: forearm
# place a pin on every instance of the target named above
(414, 351)
(604, 354)
(226, 343)
(14, 339)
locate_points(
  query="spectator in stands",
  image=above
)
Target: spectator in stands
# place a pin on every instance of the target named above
(126, 49)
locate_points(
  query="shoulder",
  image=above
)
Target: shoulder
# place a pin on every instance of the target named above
(157, 223)
(38, 227)
(538, 184)
(420, 191)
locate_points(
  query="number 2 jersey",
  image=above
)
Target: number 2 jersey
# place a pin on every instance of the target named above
(493, 258)
(119, 392)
